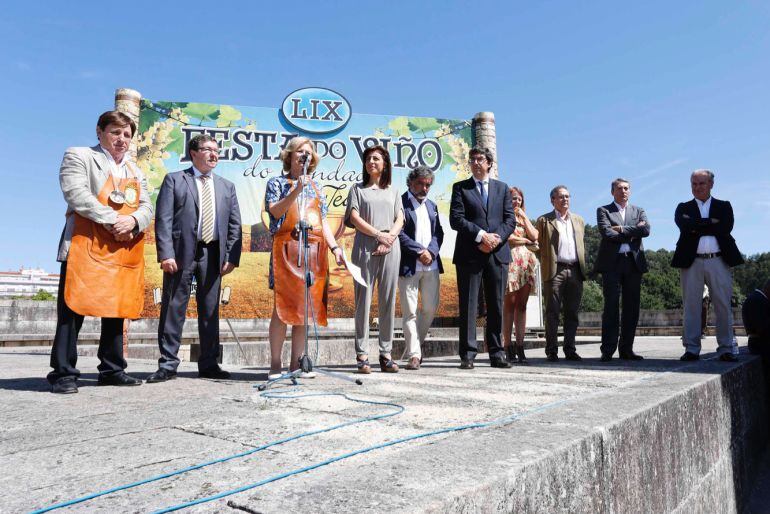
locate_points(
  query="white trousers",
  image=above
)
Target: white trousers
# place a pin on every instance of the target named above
(417, 320)
(718, 276)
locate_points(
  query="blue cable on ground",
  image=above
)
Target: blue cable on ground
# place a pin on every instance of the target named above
(276, 395)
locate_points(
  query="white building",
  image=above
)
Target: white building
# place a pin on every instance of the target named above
(27, 282)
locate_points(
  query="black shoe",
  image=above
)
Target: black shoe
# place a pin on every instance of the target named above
(499, 363)
(689, 356)
(65, 385)
(573, 357)
(216, 372)
(728, 357)
(161, 375)
(466, 364)
(118, 379)
(606, 357)
(631, 356)
(552, 357)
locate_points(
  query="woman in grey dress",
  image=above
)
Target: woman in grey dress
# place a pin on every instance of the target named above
(374, 210)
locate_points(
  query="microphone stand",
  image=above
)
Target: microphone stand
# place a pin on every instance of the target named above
(303, 256)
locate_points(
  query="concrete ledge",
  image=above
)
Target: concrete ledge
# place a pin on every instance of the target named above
(651, 436)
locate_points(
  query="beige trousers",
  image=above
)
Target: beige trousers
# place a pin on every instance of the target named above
(417, 319)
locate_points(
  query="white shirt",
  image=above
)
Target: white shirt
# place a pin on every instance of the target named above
(422, 232)
(624, 248)
(199, 185)
(567, 252)
(706, 244)
(118, 170)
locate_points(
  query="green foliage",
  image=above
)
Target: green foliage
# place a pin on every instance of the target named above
(147, 116)
(202, 112)
(752, 274)
(593, 300)
(227, 116)
(424, 125)
(400, 126)
(42, 295)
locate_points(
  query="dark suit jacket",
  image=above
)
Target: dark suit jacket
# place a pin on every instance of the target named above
(756, 314)
(608, 216)
(468, 215)
(692, 227)
(176, 219)
(411, 248)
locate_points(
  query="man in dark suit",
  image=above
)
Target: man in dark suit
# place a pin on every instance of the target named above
(482, 214)
(756, 319)
(705, 252)
(418, 273)
(621, 262)
(198, 234)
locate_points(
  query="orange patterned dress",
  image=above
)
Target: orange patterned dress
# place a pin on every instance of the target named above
(521, 270)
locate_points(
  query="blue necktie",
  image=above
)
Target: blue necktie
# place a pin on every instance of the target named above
(484, 196)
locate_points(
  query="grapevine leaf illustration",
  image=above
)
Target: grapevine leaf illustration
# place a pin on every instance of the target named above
(227, 115)
(400, 126)
(203, 112)
(425, 125)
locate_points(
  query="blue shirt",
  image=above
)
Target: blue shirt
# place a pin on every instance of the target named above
(278, 188)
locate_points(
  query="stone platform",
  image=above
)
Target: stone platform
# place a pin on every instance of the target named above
(652, 436)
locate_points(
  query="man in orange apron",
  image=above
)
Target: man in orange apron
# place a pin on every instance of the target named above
(101, 251)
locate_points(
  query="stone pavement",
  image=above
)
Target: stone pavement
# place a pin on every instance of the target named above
(653, 436)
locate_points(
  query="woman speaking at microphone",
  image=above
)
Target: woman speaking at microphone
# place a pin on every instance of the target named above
(282, 203)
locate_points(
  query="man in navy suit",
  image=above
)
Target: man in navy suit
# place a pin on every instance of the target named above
(481, 212)
(621, 262)
(198, 234)
(418, 274)
(705, 252)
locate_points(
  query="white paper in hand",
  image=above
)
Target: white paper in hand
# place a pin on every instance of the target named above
(354, 270)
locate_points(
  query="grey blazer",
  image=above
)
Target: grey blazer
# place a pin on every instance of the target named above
(82, 175)
(608, 216)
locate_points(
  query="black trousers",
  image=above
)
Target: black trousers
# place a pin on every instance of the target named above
(64, 353)
(623, 284)
(563, 292)
(469, 278)
(176, 296)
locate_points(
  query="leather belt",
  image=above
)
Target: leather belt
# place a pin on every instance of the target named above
(567, 264)
(708, 255)
(626, 254)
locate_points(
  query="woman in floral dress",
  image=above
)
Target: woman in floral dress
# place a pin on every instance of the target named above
(521, 279)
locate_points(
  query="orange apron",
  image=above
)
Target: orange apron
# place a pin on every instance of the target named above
(288, 278)
(105, 278)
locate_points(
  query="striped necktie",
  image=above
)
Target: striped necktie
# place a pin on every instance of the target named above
(207, 209)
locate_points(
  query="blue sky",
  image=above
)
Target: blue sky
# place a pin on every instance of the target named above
(582, 91)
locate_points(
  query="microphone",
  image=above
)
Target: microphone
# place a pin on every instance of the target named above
(305, 160)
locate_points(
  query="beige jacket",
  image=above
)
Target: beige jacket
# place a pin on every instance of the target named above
(548, 240)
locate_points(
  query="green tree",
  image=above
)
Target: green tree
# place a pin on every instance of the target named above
(42, 295)
(593, 300)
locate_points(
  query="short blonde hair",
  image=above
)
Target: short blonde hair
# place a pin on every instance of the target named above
(292, 146)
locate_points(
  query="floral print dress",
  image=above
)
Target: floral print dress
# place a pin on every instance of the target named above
(521, 270)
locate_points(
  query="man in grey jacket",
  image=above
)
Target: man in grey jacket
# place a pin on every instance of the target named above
(621, 262)
(92, 180)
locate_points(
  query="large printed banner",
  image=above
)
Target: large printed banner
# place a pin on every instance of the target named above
(251, 139)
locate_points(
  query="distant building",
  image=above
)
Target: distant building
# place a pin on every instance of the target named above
(27, 282)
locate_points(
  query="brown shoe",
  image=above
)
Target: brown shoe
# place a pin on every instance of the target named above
(363, 366)
(387, 365)
(414, 363)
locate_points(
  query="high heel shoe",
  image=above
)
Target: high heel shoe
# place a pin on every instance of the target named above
(521, 358)
(387, 365)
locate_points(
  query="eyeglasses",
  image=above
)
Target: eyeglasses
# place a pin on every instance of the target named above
(208, 150)
(478, 159)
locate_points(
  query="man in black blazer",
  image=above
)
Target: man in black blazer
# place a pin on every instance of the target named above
(705, 252)
(420, 266)
(198, 234)
(482, 214)
(621, 262)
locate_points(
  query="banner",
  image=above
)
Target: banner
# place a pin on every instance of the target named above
(251, 139)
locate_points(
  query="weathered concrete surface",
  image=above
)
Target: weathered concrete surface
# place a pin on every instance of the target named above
(651, 436)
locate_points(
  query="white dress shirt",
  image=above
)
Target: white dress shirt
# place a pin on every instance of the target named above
(624, 248)
(422, 232)
(199, 185)
(118, 170)
(706, 244)
(567, 251)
